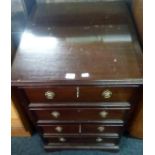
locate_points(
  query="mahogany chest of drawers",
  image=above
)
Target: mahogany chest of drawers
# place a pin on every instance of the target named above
(78, 74)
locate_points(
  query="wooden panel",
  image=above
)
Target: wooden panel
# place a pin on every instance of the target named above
(61, 94)
(136, 126)
(22, 116)
(17, 127)
(85, 114)
(137, 10)
(19, 132)
(14, 113)
(81, 139)
(15, 117)
(105, 51)
(80, 104)
(100, 128)
(59, 129)
(85, 94)
(102, 94)
(77, 146)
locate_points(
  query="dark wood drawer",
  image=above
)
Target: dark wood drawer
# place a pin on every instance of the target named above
(100, 128)
(79, 114)
(82, 139)
(80, 94)
(54, 94)
(106, 94)
(80, 128)
(59, 129)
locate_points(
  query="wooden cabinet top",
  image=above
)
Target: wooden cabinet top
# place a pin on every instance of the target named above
(78, 43)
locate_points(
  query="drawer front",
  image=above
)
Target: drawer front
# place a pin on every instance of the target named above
(54, 94)
(103, 94)
(100, 128)
(59, 129)
(80, 114)
(80, 94)
(80, 139)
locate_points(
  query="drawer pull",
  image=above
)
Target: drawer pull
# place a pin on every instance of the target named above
(103, 114)
(55, 114)
(77, 92)
(62, 139)
(99, 139)
(100, 128)
(59, 129)
(106, 94)
(49, 95)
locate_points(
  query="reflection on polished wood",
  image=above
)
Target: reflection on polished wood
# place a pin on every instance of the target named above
(66, 41)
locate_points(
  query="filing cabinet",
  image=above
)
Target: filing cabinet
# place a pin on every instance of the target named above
(78, 74)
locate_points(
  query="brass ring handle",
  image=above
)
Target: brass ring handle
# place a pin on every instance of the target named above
(103, 114)
(99, 139)
(55, 114)
(49, 95)
(106, 94)
(61, 139)
(101, 128)
(59, 129)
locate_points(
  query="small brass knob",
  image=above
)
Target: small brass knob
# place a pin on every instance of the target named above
(100, 128)
(49, 95)
(61, 139)
(103, 114)
(55, 114)
(99, 139)
(59, 129)
(106, 94)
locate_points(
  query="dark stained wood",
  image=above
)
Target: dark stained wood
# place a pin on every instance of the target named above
(82, 139)
(105, 51)
(16, 99)
(78, 14)
(86, 94)
(80, 104)
(92, 94)
(77, 114)
(61, 94)
(136, 128)
(89, 128)
(77, 146)
(79, 50)
(51, 129)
